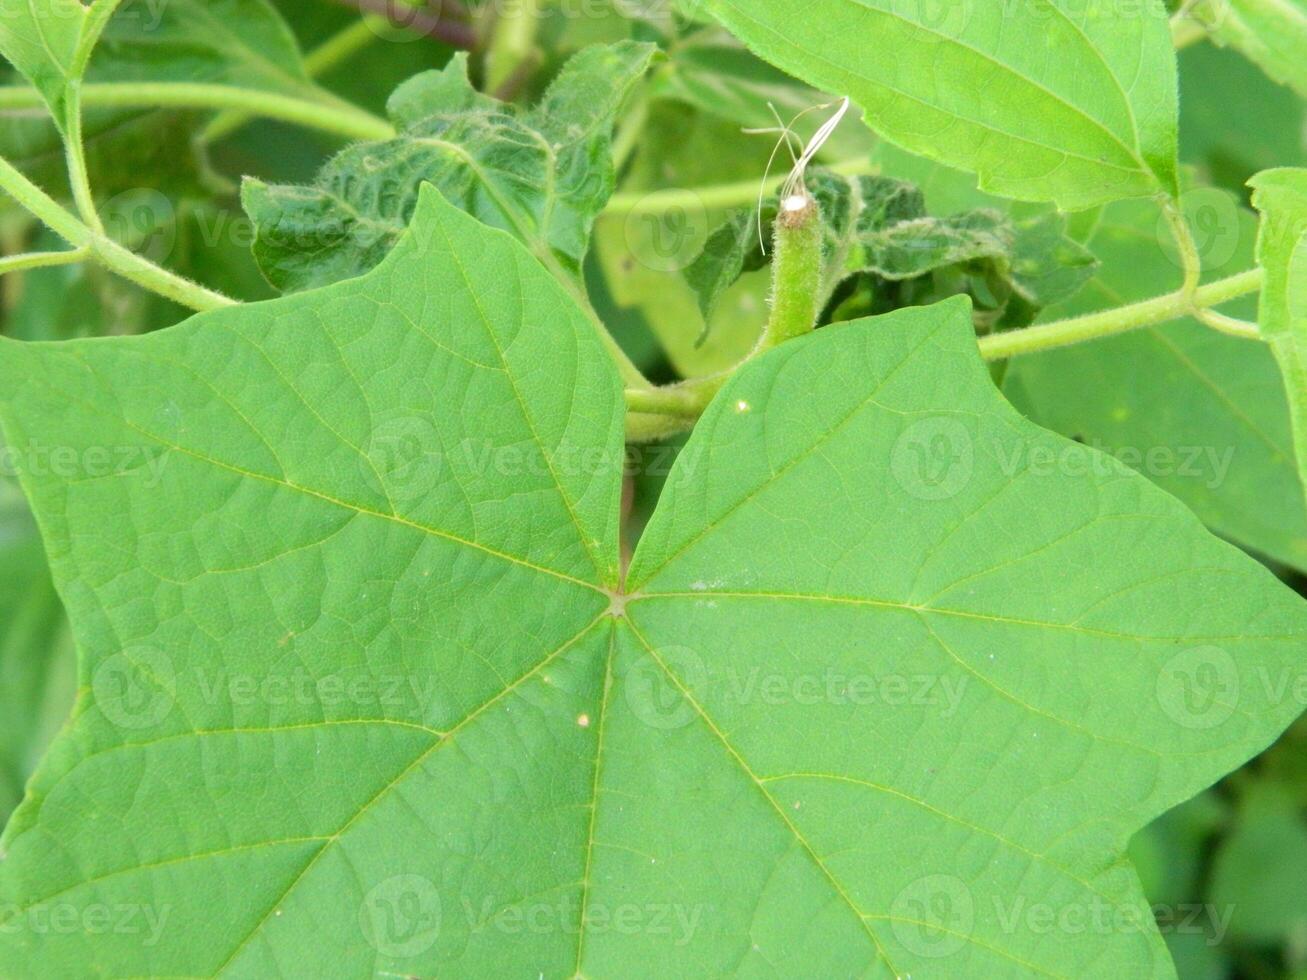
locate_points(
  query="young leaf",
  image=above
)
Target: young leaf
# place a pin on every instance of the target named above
(542, 174)
(968, 83)
(732, 250)
(492, 729)
(49, 42)
(1202, 414)
(877, 228)
(1272, 33)
(1281, 197)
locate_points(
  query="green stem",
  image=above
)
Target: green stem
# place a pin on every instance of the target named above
(796, 298)
(42, 260)
(75, 152)
(681, 403)
(1148, 313)
(735, 194)
(344, 45)
(114, 256)
(1191, 262)
(1234, 326)
(1186, 29)
(513, 44)
(332, 117)
(330, 54)
(1186, 32)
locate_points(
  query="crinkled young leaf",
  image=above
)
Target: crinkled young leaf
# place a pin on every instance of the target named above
(878, 228)
(1070, 101)
(734, 248)
(1281, 197)
(1202, 414)
(1272, 33)
(542, 174)
(364, 693)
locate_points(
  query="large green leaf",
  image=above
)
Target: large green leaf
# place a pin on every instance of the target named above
(1273, 33)
(543, 175)
(1202, 414)
(1281, 197)
(1071, 101)
(365, 691)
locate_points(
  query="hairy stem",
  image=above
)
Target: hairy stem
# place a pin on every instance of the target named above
(796, 272)
(330, 116)
(331, 53)
(1122, 319)
(512, 50)
(735, 194)
(447, 24)
(1191, 262)
(42, 260)
(112, 255)
(682, 403)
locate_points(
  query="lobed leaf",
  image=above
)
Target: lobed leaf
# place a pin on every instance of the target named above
(712, 767)
(1069, 101)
